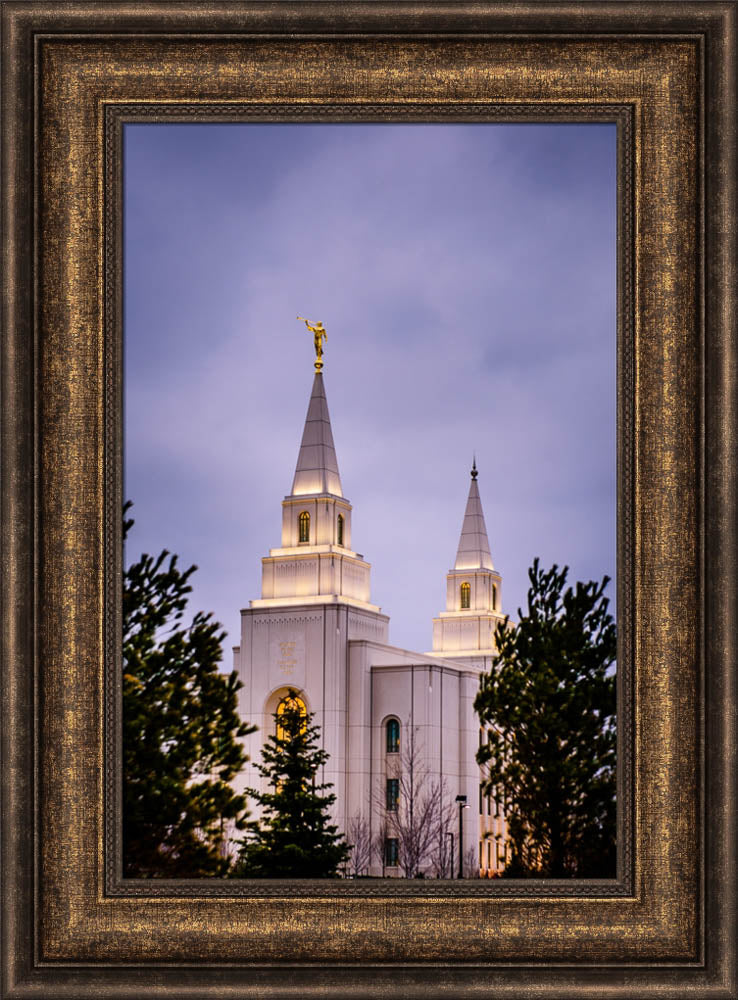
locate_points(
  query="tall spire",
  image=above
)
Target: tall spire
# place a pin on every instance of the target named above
(317, 466)
(473, 551)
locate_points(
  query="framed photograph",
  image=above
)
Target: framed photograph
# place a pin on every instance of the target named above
(468, 278)
(80, 83)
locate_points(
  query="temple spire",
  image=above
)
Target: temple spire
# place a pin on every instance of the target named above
(473, 551)
(317, 466)
(466, 629)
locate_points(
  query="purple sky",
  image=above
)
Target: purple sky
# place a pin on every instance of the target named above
(466, 277)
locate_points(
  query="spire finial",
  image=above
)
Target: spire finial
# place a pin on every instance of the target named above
(320, 335)
(473, 551)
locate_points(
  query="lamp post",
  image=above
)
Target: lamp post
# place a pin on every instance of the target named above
(451, 855)
(461, 799)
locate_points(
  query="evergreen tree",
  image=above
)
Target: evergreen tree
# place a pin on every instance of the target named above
(549, 700)
(181, 729)
(295, 838)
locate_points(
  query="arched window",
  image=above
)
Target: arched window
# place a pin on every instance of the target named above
(494, 597)
(304, 522)
(393, 736)
(339, 530)
(465, 595)
(290, 703)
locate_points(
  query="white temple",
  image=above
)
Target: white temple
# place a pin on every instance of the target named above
(381, 710)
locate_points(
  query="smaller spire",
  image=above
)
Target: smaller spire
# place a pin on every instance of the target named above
(473, 551)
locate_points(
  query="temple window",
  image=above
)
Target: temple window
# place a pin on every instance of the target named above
(393, 794)
(465, 595)
(393, 736)
(304, 523)
(290, 702)
(339, 530)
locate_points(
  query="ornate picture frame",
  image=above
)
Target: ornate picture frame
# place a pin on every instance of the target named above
(72, 74)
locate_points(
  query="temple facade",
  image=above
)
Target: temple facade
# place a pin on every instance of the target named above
(399, 726)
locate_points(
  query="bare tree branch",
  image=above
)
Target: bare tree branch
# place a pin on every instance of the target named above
(359, 837)
(379, 841)
(471, 863)
(422, 814)
(441, 853)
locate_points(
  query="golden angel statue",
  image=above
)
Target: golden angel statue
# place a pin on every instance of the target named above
(318, 330)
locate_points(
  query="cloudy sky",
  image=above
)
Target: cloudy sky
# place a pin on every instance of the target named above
(466, 277)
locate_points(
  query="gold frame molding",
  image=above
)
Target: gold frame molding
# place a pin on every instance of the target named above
(72, 74)
(115, 116)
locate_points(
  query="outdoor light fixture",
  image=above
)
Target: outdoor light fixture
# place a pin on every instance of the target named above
(461, 799)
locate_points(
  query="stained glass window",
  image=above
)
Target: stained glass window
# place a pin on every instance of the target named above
(304, 521)
(289, 703)
(393, 736)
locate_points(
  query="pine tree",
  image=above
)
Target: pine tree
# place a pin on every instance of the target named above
(549, 703)
(181, 729)
(295, 838)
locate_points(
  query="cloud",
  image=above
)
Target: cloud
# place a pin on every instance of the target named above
(466, 277)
